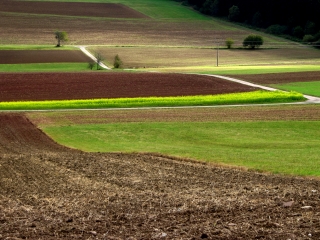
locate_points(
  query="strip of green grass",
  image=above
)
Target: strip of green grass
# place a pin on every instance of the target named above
(44, 67)
(289, 147)
(309, 88)
(233, 98)
(234, 70)
(34, 47)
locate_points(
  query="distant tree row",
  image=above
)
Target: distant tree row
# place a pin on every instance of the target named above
(297, 19)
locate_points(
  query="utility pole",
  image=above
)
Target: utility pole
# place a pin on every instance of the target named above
(218, 55)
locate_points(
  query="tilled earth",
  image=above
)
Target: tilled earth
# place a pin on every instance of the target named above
(58, 86)
(43, 56)
(51, 192)
(111, 10)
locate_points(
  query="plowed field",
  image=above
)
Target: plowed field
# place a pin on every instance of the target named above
(111, 10)
(41, 56)
(57, 86)
(51, 192)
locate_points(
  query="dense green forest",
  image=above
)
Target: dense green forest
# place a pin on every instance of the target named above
(296, 19)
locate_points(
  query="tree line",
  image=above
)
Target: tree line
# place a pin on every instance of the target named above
(295, 19)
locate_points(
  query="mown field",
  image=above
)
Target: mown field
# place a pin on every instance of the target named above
(240, 172)
(278, 139)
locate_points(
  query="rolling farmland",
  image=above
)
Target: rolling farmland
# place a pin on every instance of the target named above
(181, 173)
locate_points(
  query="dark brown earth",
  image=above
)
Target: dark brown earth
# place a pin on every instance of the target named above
(52, 192)
(279, 78)
(41, 56)
(57, 86)
(297, 112)
(111, 10)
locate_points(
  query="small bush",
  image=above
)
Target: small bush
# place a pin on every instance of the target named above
(117, 63)
(308, 38)
(229, 43)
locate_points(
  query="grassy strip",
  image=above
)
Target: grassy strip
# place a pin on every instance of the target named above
(309, 88)
(34, 47)
(233, 98)
(43, 67)
(289, 147)
(234, 70)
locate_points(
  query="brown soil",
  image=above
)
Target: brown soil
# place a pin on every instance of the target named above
(51, 192)
(19, 28)
(57, 86)
(41, 56)
(279, 78)
(202, 114)
(110, 10)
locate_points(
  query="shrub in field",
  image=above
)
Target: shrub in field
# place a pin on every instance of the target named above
(91, 65)
(308, 38)
(117, 63)
(229, 43)
(253, 41)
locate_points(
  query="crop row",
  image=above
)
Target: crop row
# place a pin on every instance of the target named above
(207, 100)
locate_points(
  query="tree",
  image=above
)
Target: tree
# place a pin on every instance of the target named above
(91, 65)
(99, 58)
(234, 13)
(117, 63)
(257, 20)
(229, 43)
(298, 32)
(61, 37)
(308, 38)
(253, 41)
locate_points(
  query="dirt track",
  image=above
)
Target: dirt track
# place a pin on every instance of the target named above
(51, 192)
(49, 86)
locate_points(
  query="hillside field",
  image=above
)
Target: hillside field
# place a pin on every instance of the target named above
(223, 172)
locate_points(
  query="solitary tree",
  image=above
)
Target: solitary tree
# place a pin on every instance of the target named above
(229, 43)
(61, 37)
(117, 63)
(253, 41)
(99, 58)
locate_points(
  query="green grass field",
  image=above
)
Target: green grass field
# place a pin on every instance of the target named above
(309, 88)
(33, 47)
(288, 147)
(44, 67)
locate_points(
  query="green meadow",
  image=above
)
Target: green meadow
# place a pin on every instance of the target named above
(44, 67)
(288, 147)
(309, 88)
